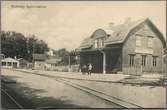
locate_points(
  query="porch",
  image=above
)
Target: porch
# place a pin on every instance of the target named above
(104, 61)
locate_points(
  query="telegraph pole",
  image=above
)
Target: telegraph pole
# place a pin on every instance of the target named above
(69, 63)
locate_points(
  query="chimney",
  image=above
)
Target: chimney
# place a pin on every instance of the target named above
(15, 57)
(111, 25)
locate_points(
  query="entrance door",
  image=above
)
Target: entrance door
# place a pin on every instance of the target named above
(97, 61)
(95, 58)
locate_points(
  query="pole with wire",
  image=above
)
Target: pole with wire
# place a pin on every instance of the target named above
(69, 63)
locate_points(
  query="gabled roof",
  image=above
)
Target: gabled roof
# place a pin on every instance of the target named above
(99, 33)
(53, 60)
(86, 43)
(121, 33)
(9, 60)
(22, 60)
(40, 57)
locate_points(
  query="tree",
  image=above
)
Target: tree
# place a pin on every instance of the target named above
(13, 44)
(35, 46)
(65, 55)
(16, 44)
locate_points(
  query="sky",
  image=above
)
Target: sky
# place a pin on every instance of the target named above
(63, 24)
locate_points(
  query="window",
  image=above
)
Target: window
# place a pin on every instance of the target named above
(98, 43)
(131, 62)
(138, 40)
(150, 42)
(95, 44)
(154, 60)
(102, 42)
(3, 63)
(9, 63)
(143, 62)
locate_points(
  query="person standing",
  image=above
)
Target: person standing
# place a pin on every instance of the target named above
(84, 69)
(89, 69)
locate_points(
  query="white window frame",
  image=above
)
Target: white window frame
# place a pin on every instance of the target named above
(131, 59)
(155, 60)
(96, 43)
(144, 60)
(100, 43)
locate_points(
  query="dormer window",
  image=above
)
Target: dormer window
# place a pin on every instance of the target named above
(98, 43)
(108, 35)
(95, 43)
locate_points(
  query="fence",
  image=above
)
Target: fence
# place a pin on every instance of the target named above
(65, 68)
(135, 70)
(139, 70)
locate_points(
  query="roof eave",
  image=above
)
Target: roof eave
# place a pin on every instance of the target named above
(113, 42)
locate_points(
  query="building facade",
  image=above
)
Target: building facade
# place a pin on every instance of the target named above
(45, 62)
(39, 61)
(52, 63)
(23, 63)
(10, 63)
(133, 47)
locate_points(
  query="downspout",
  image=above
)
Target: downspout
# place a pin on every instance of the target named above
(104, 61)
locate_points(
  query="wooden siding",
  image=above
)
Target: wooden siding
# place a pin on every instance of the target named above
(122, 44)
(130, 47)
(113, 60)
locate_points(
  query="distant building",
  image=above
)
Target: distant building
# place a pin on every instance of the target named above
(45, 62)
(10, 63)
(132, 47)
(2, 56)
(23, 63)
(52, 62)
(39, 61)
(50, 52)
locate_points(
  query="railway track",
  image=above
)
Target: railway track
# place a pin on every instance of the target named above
(11, 99)
(101, 95)
(111, 99)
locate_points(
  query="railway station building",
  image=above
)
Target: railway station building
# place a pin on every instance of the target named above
(134, 47)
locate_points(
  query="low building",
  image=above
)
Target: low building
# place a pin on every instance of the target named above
(51, 63)
(10, 63)
(2, 56)
(134, 47)
(23, 63)
(39, 61)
